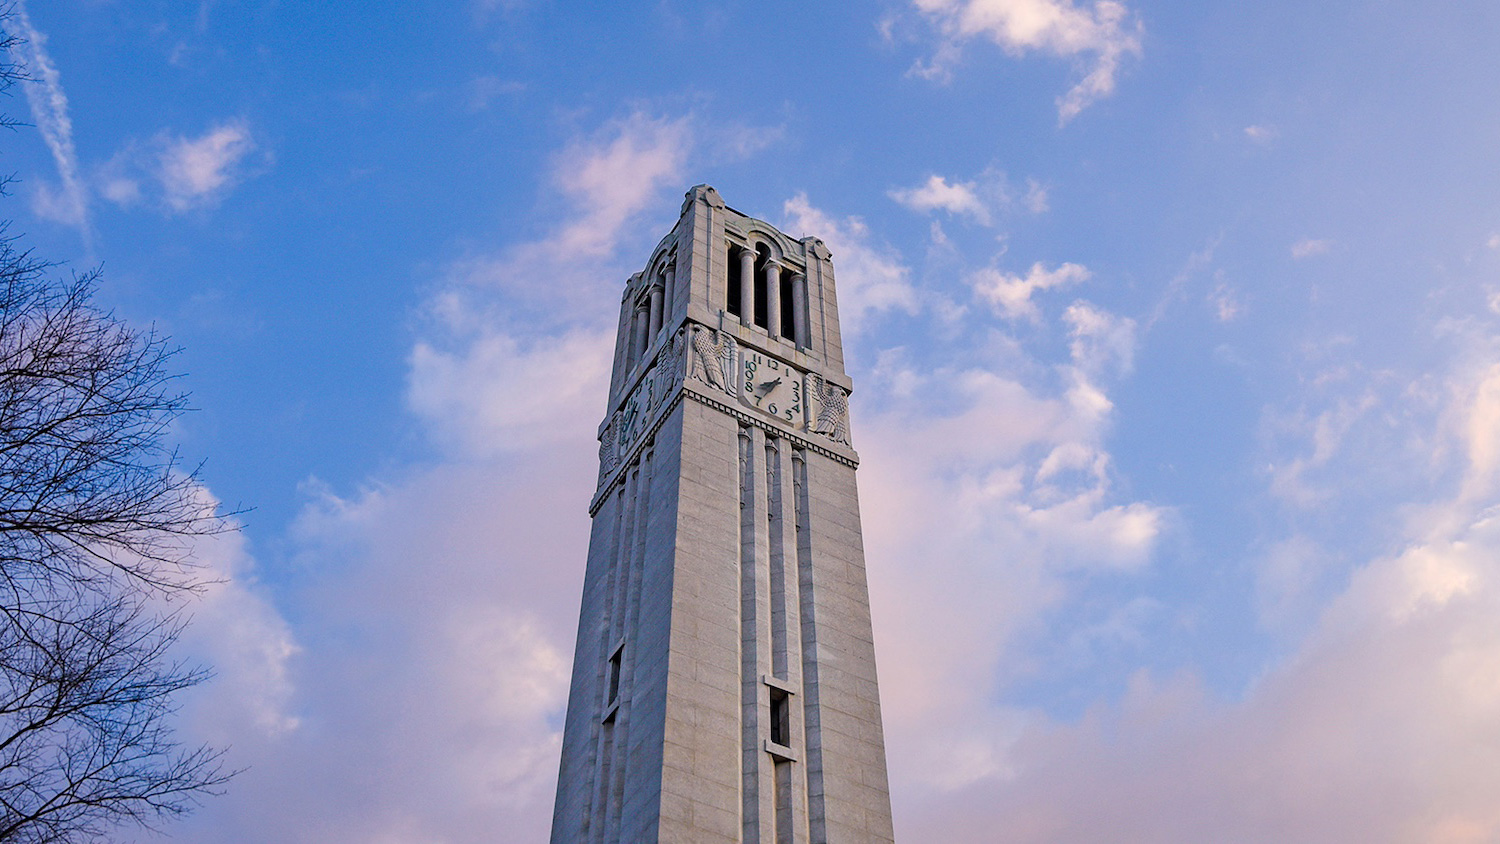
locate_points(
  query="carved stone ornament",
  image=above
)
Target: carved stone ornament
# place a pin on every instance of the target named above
(833, 410)
(669, 369)
(608, 454)
(713, 358)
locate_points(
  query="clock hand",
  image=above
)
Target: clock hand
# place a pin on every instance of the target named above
(765, 389)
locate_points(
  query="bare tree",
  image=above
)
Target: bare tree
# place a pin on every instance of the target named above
(85, 743)
(97, 527)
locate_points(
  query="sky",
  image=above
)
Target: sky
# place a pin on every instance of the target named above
(1174, 329)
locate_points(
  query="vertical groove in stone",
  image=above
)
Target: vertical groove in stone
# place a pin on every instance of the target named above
(629, 613)
(812, 726)
(785, 819)
(600, 789)
(776, 518)
(749, 722)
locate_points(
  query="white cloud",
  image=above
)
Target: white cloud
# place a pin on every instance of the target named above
(972, 477)
(936, 194)
(1101, 341)
(238, 631)
(1381, 725)
(608, 178)
(195, 172)
(1261, 134)
(1011, 294)
(1035, 200)
(1326, 431)
(441, 600)
(490, 393)
(174, 173)
(871, 278)
(518, 346)
(433, 666)
(1481, 433)
(1106, 32)
(68, 203)
(1226, 304)
(1309, 247)
(978, 199)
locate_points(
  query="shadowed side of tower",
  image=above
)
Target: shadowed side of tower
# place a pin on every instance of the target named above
(724, 683)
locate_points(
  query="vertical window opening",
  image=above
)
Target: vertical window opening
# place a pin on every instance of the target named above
(614, 676)
(788, 321)
(761, 304)
(735, 281)
(781, 718)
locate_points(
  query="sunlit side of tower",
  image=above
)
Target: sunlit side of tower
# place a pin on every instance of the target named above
(724, 678)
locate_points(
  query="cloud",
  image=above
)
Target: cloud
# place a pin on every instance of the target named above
(936, 194)
(1261, 134)
(979, 199)
(1309, 247)
(518, 344)
(607, 178)
(1481, 433)
(871, 278)
(488, 392)
(436, 605)
(1106, 33)
(237, 629)
(195, 172)
(972, 476)
(1010, 294)
(175, 173)
(1379, 725)
(1101, 342)
(1226, 304)
(435, 620)
(68, 203)
(1326, 431)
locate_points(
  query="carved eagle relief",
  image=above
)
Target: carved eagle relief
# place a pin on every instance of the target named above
(713, 358)
(833, 410)
(607, 446)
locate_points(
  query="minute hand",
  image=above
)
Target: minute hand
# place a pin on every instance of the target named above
(765, 390)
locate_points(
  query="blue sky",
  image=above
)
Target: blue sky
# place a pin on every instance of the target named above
(1174, 327)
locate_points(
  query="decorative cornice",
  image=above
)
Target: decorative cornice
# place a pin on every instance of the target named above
(623, 465)
(760, 422)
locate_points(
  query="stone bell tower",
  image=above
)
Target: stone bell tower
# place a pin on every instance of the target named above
(724, 679)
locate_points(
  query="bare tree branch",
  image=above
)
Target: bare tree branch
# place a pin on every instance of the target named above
(98, 520)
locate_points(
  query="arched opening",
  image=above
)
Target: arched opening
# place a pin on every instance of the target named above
(735, 281)
(788, 307)
(762, 305)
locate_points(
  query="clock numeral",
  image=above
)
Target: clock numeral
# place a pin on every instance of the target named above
(789, 413)
(772, 408)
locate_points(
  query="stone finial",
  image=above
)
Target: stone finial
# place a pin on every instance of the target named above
(816, 248)
(705, 193)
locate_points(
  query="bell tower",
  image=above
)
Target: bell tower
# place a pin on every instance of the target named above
(723, 684)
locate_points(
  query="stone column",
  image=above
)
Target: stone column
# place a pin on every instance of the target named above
(642, 323)
(655, 325)
(799, 310)
(670, 275)
(747, 286)
(773, 299)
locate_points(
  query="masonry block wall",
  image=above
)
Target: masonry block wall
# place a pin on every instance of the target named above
(724, 685)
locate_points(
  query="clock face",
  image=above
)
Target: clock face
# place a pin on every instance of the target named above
(774, 387)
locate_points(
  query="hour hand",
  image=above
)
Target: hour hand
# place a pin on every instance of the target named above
(765, 389)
